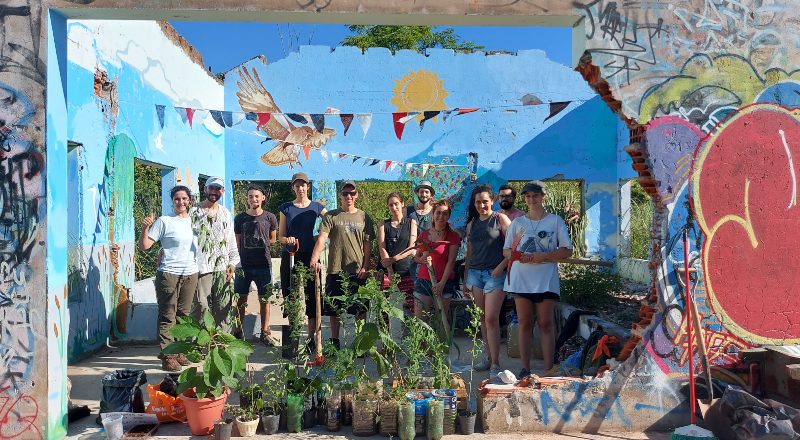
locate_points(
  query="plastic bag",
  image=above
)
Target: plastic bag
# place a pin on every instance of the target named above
(122, 392)
(294, 412)
(406, 419)
(435, 426)
(166, 408)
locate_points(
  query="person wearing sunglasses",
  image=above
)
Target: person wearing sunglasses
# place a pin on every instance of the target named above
(350, 231)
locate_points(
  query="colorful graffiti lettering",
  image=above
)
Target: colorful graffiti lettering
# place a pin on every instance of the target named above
(745, 186)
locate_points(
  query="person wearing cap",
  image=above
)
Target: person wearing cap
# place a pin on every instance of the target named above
(217, 257)
(296, 221)
(255, 233)
(533, 246)
(350, 231)
(422, 213)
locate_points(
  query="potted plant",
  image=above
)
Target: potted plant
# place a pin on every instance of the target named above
(273, 392)
(247, 419)
(466, 419)
(223, 360)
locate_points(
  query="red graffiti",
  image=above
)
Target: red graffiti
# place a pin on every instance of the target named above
(746, 202)
(18, 416)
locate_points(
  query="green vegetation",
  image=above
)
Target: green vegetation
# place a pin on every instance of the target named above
(406, 37)
(588, 287)
(564, 198)
(146, 200)
(276, 192)
(641, 221)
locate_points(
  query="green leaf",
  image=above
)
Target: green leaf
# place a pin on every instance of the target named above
(222, 361)
(203, 338)
(366, 338)
(184, 331)
(208, 321)
(226, 337)
(240, 347)
(187, 375)
(238, 362)
(211, 374)
(177, 347)
(230, 381)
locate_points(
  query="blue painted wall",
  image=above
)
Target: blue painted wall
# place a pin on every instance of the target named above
(115, 128)
(513, 142)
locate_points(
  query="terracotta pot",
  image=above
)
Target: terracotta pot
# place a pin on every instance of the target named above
(202, 413)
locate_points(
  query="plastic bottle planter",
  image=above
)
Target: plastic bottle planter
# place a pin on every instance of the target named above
(434, 429)
(420, 401)
(388, 424)
(347, 408)
(294, 412)
(309, 412)
(364, 411)
(449, 403)
(333, 403)
(406, 419)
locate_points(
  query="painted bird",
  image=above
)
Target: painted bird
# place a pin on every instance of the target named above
(254, 97)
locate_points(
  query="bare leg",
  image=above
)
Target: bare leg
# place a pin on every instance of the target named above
(494, 302)
(525, 315)
(547, 334)
(335, 327)
(264, 312)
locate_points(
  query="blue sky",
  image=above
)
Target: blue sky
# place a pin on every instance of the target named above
(226, 45)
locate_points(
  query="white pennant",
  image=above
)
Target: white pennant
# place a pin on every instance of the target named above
(237, 118)
(324, 155)
(365, 120)
(393, 167)
(409, 166)
(281, 120)
(410, 116)
(425, 169)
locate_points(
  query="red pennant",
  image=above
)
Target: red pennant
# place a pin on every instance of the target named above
(306, 150)
(462, 111)
(347, 119)
(189, 114)
(388, 164)
(262, 119)
(399, 126)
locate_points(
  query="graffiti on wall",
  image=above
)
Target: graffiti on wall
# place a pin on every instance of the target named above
(261, 107)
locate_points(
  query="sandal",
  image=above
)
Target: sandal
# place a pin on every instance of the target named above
(266, 339)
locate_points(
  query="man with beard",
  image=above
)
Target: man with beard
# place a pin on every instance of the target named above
(422, 212)
(507, 197)
(255, 231)
(217, 255)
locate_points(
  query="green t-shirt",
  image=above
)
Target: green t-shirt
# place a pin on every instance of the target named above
(347, 233)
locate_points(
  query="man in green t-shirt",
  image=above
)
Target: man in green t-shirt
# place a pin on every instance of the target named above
(350, 231)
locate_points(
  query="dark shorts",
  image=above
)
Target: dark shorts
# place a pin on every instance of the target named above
(536, 297)
(262, 276)
(286, 280)
(334, 291)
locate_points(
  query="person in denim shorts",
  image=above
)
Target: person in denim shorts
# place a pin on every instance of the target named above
(485, 269)
(255, 231)
(442, 244)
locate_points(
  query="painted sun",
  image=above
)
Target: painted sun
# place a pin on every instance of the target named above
(419, 91)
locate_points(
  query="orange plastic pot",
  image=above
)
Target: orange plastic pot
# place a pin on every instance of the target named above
(202, 413)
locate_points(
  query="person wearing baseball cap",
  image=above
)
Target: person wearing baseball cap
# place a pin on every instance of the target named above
(422, 213)
(218, 255)
(296, 221)
(350, 231)
(534, 245)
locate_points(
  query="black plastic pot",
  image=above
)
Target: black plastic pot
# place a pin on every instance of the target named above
(270, 423)
(223, 429)
(466, 422)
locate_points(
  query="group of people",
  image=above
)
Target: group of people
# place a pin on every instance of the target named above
(509, 253)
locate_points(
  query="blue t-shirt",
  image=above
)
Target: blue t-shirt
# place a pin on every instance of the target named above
(300, 223)
(178, 242)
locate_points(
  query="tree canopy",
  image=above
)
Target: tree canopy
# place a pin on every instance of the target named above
(405, 37)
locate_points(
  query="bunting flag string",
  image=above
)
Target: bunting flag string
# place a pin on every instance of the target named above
(226, 118)
(387, 165)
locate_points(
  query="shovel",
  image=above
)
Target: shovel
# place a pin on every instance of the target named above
(320, 358)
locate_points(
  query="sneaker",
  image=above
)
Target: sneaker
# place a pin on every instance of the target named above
(524, 373)
(170, 363)
(182, 359)
(483, 366)
(266, 339)
(494, 371)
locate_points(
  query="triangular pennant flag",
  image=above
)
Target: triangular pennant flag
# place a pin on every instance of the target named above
(236, 118)
(426, 116)
(446, 114)
(261, 120)
(398, 126)
(281, 120)
(347, 119)
(409, 166)
(251, 116)
(189, 115)
(227, 119)
(160, 114)
(324, 155)
(425, 169)
(409, 116)
(306, 150)
(217, 116)
(388, 164)
(374, 162)
(556, 108)
(355, 158)
(319, 121)
(365, 120)
(366, 161)
(463, 111)
(342, 155)
(297, 118)
(394, 166)
(182, 113)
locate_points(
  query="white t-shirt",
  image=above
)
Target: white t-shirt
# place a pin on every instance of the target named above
(179, 243)
(545, 235)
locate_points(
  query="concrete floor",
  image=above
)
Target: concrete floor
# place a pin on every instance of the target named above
(87, 389)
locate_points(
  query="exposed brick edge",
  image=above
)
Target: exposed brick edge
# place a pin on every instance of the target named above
(187, 48)
(638, 152)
